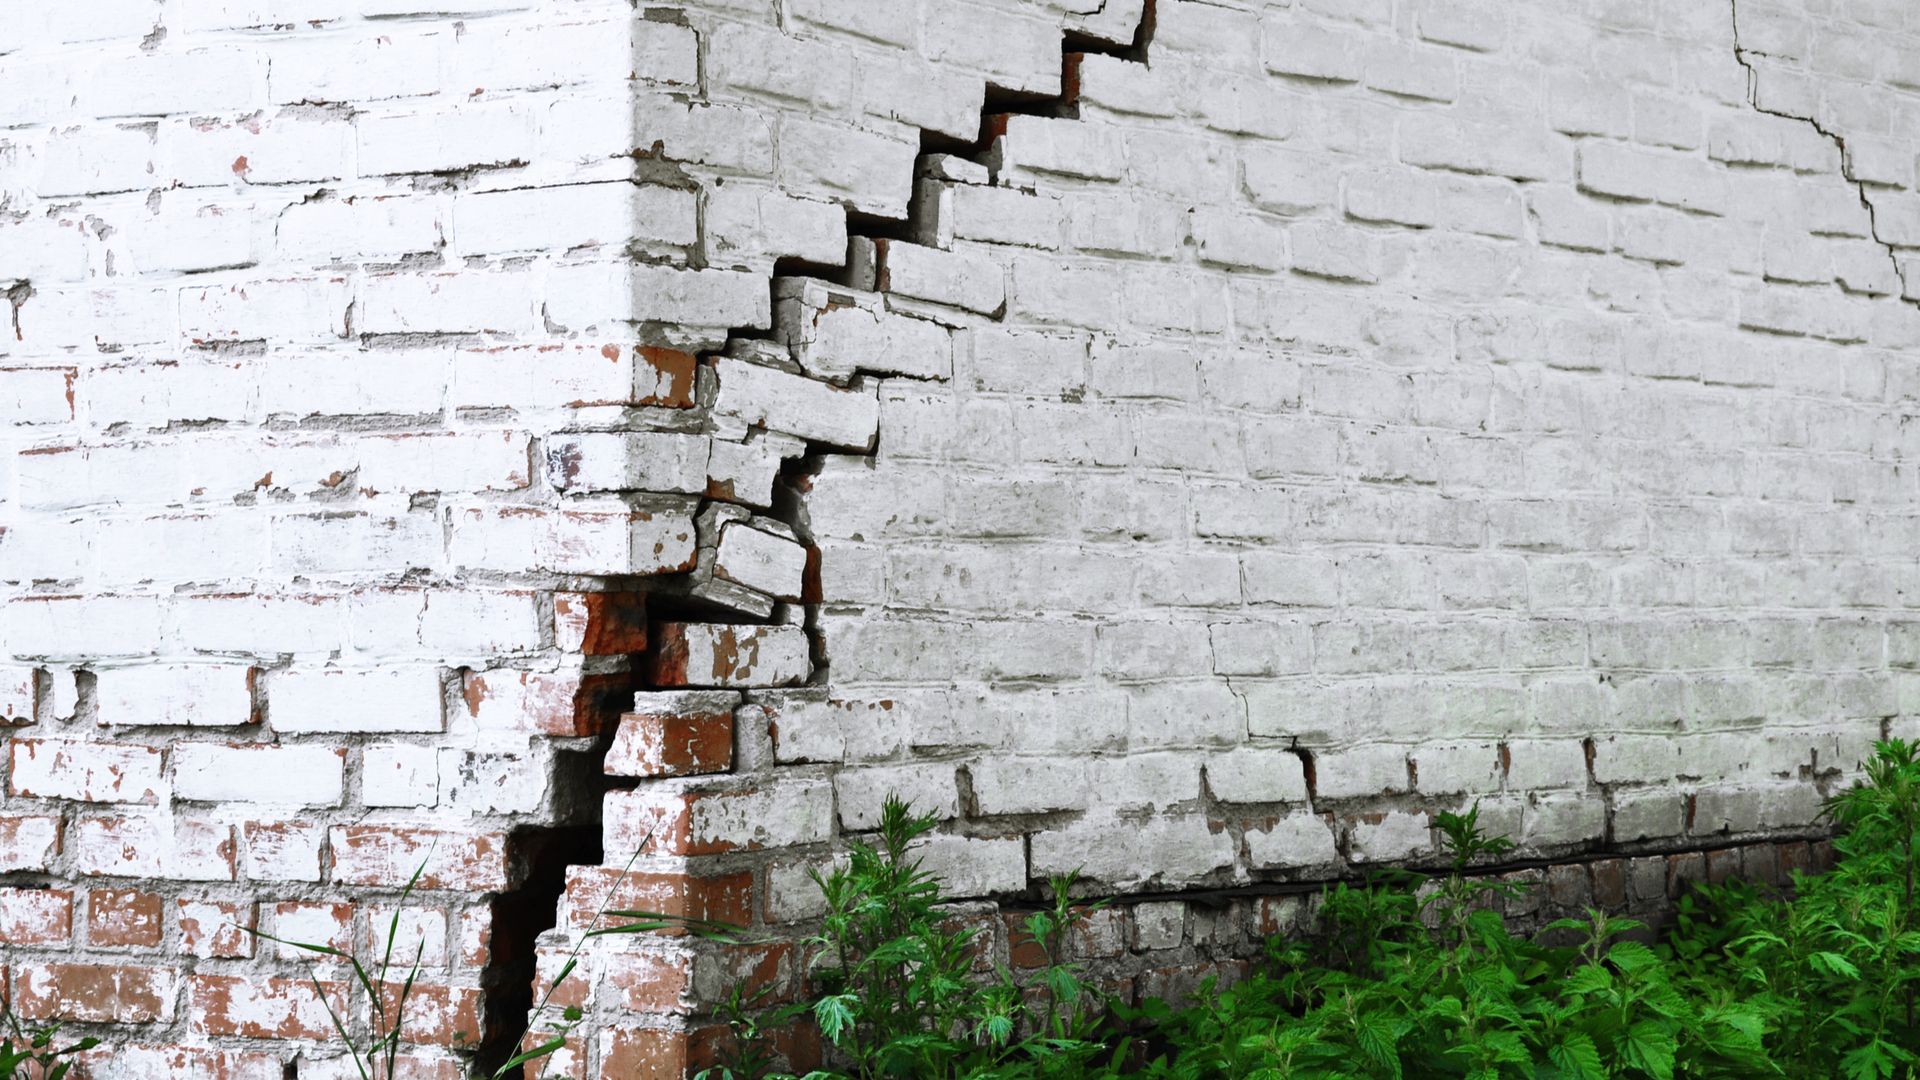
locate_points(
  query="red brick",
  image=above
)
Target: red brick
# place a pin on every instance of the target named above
(573, 990)
(655, 1054)
(124, 919)
(545, 703)
(600, 624)
(671, 378)
(726, 898)
(1610, 883)
(1795, 857)
(655, 744)
(28, 842)
(216, 928)
(42, 917)
(662, 979)
(437, 1015)
(92, 993)
(1023, 950)
(1684, 870)
(475, 928)
(388, 855)
(254, 1007)
(1723, 865)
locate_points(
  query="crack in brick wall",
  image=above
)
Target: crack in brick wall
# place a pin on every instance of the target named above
(1839, 141)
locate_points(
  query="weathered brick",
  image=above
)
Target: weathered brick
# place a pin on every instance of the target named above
(92, 993)
(701, 654)
(674, 734)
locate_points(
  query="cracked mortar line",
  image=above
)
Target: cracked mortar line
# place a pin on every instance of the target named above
(1840, 143)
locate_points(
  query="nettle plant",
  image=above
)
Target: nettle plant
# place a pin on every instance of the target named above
(895, 989)
(1410, 977)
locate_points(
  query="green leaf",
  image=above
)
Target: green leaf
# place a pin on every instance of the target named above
(1632, 956)
(1651, 1047)
(545, 1049)
(1834, 964)
(835, 1015)
(1578, 1057)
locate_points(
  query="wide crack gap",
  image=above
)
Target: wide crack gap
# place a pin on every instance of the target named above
(1740, 56)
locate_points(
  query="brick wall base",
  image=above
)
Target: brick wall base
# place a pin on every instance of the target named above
(649, 1001)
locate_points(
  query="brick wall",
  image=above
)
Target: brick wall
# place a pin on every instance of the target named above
(1189, 442)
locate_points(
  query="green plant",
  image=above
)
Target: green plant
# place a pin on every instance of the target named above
(1411, 977)
(30, 1053)
(897, 997)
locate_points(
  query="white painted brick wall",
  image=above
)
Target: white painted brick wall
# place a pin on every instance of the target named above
(1352, 414)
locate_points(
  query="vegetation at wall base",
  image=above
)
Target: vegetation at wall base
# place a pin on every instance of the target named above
(1411, 977)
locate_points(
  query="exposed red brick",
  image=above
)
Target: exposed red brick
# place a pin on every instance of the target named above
(124, 919)
(438, 1015)
(601, 624)
(672, 384)
(651, 744)
(1023, 950)
(726, 898)
(1610, 883)
(92, 993)
(655, 1054)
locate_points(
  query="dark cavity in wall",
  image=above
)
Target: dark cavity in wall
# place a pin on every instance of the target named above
(518, 919)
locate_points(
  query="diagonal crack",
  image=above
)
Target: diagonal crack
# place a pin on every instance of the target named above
(1740, 55)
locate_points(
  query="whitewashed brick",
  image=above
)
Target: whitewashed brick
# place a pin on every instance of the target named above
(757, 394)
(301, 700)
(166, 695)
(761, 561)
(285, 775)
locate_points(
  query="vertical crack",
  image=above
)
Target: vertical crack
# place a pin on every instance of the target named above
(1741, 55)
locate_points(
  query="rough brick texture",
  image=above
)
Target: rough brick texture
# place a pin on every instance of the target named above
(1186, 441)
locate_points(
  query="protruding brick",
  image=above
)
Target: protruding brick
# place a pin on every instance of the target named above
(682, 733)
